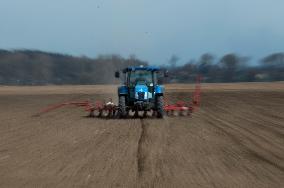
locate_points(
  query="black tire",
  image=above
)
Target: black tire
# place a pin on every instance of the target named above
(122, 107)
(160, 106)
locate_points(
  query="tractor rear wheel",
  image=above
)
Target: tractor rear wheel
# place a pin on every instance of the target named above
(122, 107)
(160, 106)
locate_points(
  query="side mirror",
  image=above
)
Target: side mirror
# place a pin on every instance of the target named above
(117, 74)
(166, 73)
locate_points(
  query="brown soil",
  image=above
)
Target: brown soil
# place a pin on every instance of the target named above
(235, 140)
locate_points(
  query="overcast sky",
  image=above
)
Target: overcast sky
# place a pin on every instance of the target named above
(153, 30)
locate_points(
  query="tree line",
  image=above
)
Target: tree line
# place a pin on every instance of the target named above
(31, 67)
(28, 67)
(229, 68)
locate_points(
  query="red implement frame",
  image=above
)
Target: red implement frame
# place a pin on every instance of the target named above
(184, 108)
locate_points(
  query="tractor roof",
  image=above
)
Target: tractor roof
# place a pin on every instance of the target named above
(147, 68)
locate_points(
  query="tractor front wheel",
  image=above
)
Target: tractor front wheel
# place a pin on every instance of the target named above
(122, 107)
(160, 106)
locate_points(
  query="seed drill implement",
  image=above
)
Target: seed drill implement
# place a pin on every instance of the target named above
(140, 95)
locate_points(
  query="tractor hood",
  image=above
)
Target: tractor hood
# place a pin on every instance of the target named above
(141, 88)
(141, 92)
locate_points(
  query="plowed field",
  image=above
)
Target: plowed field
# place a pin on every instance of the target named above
(236, 139)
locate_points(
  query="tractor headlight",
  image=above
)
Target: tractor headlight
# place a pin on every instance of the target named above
(145, 95)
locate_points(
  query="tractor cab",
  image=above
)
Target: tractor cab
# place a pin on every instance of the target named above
(140, 91)
(141, 82)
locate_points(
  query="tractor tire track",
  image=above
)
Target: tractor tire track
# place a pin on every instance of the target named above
(151, 148)
(141, 155)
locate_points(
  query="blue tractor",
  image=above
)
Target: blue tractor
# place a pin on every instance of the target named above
(140, 91)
